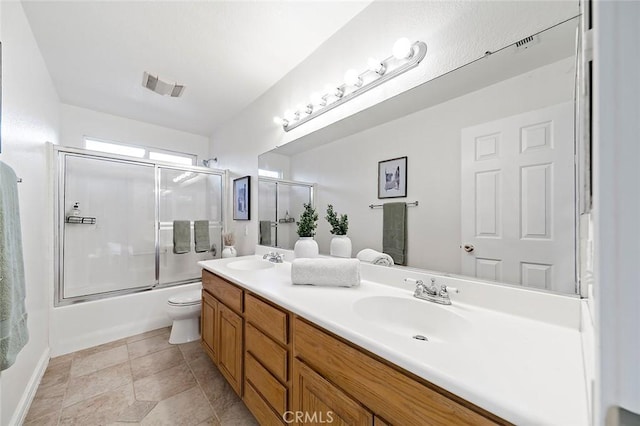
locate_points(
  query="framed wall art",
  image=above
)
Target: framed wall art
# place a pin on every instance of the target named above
(242, 198)
(392, 178)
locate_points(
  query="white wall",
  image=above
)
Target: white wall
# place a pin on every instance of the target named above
(77, 122)
(616, 209)
(456, 33)
(346, 170)
(30, 117)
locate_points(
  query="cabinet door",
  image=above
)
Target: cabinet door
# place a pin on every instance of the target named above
(317, 401)
(208, 324)
(230, 347)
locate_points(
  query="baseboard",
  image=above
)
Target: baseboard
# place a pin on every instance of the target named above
(30, 391)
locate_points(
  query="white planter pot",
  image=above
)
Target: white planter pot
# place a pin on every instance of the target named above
(340, 246)
(229, 251)
(306, 247)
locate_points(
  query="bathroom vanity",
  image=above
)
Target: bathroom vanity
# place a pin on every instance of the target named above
(349, 354)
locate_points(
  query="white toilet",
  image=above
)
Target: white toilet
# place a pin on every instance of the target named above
(184, 309)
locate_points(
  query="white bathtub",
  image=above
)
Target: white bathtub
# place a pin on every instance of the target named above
(88, 324)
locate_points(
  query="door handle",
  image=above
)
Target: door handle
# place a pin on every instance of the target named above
(468, 248)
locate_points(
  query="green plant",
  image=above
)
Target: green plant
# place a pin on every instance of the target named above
(308, 221)
(338, 226)
(228, 238)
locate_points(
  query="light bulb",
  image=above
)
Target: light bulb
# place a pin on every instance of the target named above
(289, 115)
(402, 49)
(352, 78)
(376, 66)
(333, 91)
(317, 99)
(279, 121)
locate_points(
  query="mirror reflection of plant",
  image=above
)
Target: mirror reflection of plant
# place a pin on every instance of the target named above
(228, 238)
(308, 221)
(338, 226)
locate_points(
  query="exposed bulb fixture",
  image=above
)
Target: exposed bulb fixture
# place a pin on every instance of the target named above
(376, 66)
(406, 55)
(352, 78)
(402, 48)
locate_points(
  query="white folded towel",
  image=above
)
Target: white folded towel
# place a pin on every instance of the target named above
(375, 257)
(326, 272)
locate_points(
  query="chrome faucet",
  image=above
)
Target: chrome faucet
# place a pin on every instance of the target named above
(274, 257)
(432, 293)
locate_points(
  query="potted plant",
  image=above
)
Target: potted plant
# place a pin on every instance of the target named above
(340, 243)
(229, 240)
(306, 246)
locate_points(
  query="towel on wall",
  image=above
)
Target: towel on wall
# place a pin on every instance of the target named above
(181, 236)
(394, 231)
(13, 314)
(265, 232)
(375, 257)
(201, 235)
(326, 272)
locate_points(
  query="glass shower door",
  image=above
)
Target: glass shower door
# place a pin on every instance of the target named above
(189, 196)
(110, 245)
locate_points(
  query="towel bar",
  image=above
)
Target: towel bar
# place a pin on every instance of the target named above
(19, 180)
(413, 204)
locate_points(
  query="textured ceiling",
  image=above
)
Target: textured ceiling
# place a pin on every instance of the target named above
(226, 53)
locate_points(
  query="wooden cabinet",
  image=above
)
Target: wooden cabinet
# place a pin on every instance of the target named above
(222, 327)
(316, 401)
(230, 347)
(208, 321)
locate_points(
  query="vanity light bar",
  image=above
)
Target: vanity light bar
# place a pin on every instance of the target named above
(377, 73)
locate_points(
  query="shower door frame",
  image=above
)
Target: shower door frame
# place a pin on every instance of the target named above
(59, 155)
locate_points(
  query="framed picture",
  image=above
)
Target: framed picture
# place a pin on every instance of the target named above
(242, 198)
(392, 178)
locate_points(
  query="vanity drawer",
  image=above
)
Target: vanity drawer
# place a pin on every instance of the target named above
(259, 408)
(223, 290)
(272, 321)
(385, 391)
(270, 388)
(268, 352)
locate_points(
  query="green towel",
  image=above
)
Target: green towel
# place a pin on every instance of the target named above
(181, 236)
(265, 233)
(394, 232)
(201, 235)
(13, 314)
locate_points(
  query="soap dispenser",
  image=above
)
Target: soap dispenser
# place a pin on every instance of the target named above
(76, 209)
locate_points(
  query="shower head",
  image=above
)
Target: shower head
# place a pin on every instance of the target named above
(210, 162)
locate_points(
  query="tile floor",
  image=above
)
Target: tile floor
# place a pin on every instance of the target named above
(138, 380)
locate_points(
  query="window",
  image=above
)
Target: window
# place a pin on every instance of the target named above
(269, 173)
(137, 151)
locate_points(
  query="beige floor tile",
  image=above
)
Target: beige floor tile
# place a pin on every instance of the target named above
(56, 374)
(150, 364)
(214, 385)
(97, 361)
(142, 336)
(192, 351)
(164, 384)
(148, 345)
(100, 409)
(47, 402)
(237, 415)
(61, 359)
(90, 385)
(50, 419)
(186, 408)
(211, 421)
(100, 348)
(137, 411)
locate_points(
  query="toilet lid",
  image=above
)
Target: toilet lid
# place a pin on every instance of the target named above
(187, 298)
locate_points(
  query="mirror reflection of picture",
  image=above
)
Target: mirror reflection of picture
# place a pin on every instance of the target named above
(241, 198)
(392, 178)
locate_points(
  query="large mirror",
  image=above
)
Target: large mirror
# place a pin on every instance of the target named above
(490, 161)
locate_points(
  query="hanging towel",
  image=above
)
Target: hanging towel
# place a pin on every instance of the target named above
(265, 232)
(326, 272)
(201, 235)
(13, 314)
(394, 231)
(181, 236)
(375, 257)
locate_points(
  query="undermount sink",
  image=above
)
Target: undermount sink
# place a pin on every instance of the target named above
(413, 318)
(250, 265)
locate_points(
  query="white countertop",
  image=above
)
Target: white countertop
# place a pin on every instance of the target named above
(521, 369)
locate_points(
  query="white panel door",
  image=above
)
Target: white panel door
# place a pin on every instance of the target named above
(518, 199)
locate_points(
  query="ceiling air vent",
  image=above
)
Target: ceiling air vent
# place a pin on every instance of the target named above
(527, 42)
(163, 88)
